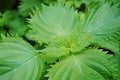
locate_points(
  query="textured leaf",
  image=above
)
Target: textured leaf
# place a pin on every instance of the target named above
(64, 46)
(52, 22)
(104, 25)
(117, 57)
(58, 27)
(19, 60)
(91, 64)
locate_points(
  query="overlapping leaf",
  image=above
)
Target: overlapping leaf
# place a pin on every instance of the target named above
(58, 26)
(64, 32)
(91, 64)
(64, 46)
(19, 60)
(103, 22)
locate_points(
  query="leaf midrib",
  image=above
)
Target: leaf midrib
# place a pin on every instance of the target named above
(21, 64)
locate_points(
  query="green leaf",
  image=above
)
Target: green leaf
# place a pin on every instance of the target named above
(26, 6)
(14, 23)
(58, 27)
(51, 23)
(65, 46)
(2, 32)
(117, 57)
(91, 64)
(103, 23)
(19, 60)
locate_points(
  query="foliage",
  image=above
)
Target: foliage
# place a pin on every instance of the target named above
(60, 40)
(12, 21)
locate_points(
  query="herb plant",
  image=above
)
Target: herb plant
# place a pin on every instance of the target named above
(61, 41)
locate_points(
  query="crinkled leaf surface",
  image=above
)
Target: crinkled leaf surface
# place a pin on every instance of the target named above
(52, 22)
(91, 64)
(19, 60)
(104, 24)
(58, 27)
(64, 46)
